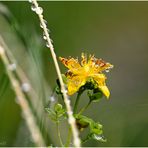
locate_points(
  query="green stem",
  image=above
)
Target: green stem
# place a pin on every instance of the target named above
(68, 138)
(84, 108)
(58, 132)
(85, 140)
(77, 101)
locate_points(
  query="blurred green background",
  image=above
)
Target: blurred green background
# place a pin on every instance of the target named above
(114, 31)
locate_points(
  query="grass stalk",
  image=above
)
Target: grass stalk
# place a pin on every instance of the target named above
(27, 113)
(71, 119)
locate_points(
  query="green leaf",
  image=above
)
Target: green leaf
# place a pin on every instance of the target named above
(50, 111)
(58, 107)
(95, 97)
(96, 128)
(59, 110)
(82, 121)
(57, 113)
(51, 114)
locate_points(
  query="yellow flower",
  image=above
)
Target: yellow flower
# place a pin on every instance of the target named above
(79, 73)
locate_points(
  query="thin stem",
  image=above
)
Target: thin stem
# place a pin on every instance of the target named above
(68, 138)
(71, 119)
(58, 132)
(77, 101)
(84, 108)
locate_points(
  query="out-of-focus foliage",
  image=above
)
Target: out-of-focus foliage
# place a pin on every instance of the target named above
(114, 31)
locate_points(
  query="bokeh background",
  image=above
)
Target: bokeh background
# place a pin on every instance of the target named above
(114, 31)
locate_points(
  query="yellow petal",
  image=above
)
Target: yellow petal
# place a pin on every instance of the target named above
(72, 64)
(100, 80)
(103, 66)
(75, 83)
(105, 91)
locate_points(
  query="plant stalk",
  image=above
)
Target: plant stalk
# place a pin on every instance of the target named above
(71, 119)
(58, 132)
